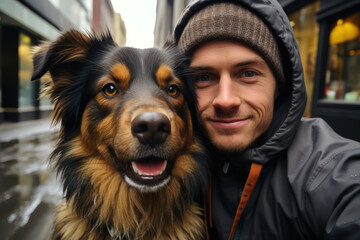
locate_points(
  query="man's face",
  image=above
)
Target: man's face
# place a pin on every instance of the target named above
(235, 91)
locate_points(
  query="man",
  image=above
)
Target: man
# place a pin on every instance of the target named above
(276, 175)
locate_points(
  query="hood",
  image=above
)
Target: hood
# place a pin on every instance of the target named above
(290, 105)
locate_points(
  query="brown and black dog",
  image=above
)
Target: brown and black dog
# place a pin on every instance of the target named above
(127, 156)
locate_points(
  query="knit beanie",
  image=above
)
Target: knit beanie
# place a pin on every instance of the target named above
(229, 21)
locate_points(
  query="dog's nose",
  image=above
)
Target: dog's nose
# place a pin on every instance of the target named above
(151, 128)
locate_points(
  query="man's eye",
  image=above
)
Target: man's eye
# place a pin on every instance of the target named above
(203, 78)
(110, 89)
(249, 74)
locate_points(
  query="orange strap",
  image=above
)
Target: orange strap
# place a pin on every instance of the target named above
(248, 188)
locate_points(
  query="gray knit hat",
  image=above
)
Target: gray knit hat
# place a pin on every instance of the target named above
(230, 21)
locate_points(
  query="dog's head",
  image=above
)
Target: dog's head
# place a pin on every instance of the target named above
(126, 153)
(123, 105)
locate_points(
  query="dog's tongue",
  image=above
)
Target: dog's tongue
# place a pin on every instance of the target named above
(149, 168)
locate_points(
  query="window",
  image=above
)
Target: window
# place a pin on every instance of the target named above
(27, 89)
(342, 82)
(306, 30)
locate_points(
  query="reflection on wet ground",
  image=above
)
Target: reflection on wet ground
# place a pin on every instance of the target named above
(29, 191)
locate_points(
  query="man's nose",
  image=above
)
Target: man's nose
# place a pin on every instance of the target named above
(227, 97)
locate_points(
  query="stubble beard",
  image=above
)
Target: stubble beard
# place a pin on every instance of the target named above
(223, 148)
(229, 149)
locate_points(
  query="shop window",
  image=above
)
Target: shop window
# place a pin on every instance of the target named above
(27, 89)
(306, 30)
(343, 68)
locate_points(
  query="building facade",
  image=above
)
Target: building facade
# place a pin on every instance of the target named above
(328, 36)
(167, 15)
(25, 23)
(103, 16)
(119, 30)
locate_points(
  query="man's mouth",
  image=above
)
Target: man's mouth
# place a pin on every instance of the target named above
(148, 174)
(229, 123)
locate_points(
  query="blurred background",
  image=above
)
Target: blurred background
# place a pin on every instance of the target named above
(327, 32)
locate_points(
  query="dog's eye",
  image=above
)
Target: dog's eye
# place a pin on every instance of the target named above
(109, 89)
(173, 90)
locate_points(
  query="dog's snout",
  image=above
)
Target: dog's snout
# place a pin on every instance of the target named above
(151, 128)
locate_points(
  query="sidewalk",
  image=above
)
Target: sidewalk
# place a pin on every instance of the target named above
(29, 190)
(10, 131)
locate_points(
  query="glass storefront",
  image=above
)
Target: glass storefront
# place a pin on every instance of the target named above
(306, 30)
(27, 89)
(342, 83)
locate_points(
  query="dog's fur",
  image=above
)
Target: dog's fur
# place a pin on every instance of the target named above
(98, 89)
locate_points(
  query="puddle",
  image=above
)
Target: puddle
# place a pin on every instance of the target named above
(29, 191)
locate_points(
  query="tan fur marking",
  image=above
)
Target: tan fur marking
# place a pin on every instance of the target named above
(88, 140)
(122, 73)
(163, 75)
(107, 129)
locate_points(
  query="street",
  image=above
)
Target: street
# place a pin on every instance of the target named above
(29, 190)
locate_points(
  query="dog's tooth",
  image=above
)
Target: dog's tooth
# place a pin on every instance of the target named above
(165, 165)
(136, 170)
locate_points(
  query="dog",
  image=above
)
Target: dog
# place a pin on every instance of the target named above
(130, 163)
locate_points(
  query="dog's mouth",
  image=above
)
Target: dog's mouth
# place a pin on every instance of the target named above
(149, 169)
(148, 174)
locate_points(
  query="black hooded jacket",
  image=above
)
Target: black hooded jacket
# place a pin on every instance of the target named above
(304, 180)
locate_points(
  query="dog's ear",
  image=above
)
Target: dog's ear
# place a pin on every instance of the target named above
(58, 57)
(66, 85)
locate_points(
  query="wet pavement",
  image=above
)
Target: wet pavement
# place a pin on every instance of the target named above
(29, 191)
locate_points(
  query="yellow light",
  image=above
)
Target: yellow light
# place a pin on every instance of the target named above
(343, 32)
